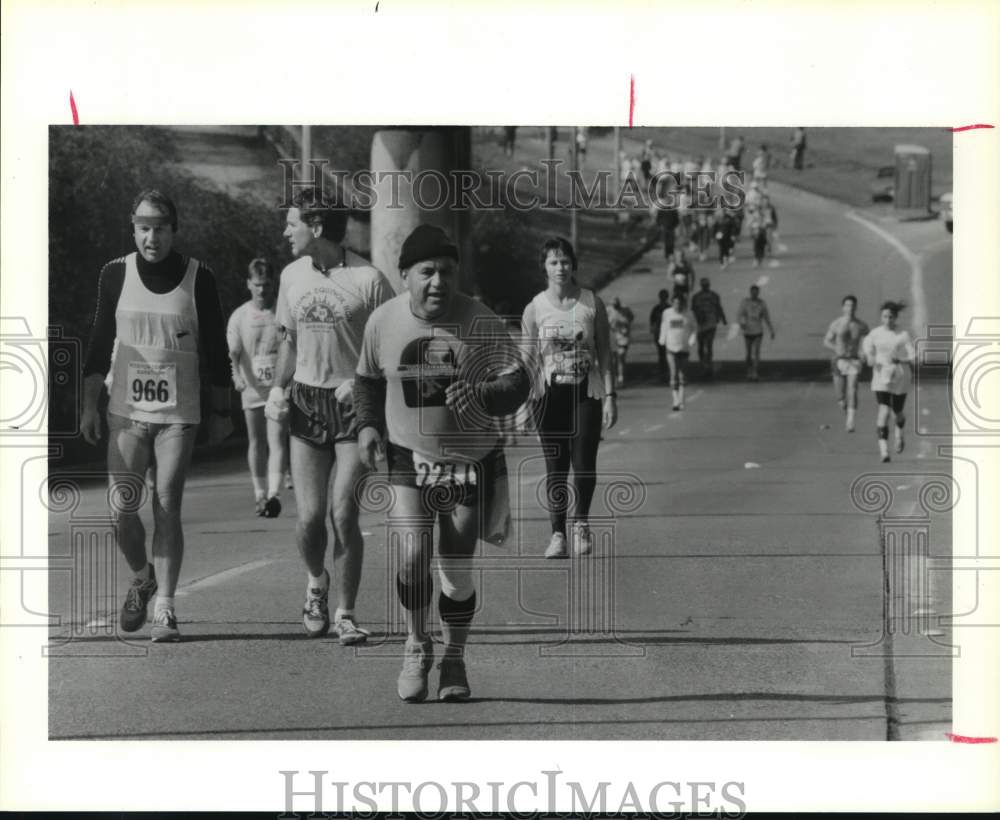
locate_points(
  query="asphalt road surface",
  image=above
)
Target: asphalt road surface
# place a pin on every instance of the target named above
(737, 591)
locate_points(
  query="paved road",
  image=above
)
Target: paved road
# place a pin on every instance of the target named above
(735, 578)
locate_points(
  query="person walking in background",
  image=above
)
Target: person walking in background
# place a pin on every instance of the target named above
(753, 316)
(252, 336)
(707, 309)
(570, 326)
(890, 354)
(844, 337)
(655, 315)
(799, 148)
(681, 274)
(677, 333)
(761, 165)
(509, 135)
(620, 320)
(724, 226)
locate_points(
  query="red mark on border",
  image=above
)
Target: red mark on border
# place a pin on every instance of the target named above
(964, 738)
(970, 128)
(631, 98)
(72, 107)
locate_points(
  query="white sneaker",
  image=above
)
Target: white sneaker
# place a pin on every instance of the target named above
(899, 440)
(557, 546)
(583, 540)
(849, 423)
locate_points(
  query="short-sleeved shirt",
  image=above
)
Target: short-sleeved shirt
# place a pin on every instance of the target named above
(252, 336)
(676, 329)
(884, 345)
(419, 359)
(328, 312)
(847, 335)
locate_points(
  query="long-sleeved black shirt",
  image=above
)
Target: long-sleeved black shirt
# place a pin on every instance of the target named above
(160, 277)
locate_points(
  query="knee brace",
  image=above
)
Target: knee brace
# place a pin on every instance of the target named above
(456, 578)
(414, 596)
(900, 420)
(456, 613)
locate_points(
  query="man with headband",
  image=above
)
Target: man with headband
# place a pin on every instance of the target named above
(162, 309)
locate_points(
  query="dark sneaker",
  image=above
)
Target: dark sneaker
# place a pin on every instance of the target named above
(165, 627)
(418, 658)
(272, 507)
(316, 612)
(133, 614)
(453, 684)
(349, 632)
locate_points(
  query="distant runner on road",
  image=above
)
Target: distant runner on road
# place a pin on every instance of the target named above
(707, 309)
(678, 330)
(844, 338)
(620, 319)
(890, 354)
(753, 317)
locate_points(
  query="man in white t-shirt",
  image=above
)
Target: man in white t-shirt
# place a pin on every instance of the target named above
(325, 297)
(252, 336)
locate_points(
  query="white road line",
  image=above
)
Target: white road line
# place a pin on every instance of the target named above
(915, 261)
(222, 577)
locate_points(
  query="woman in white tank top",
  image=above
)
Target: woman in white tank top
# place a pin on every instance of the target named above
(568, 327)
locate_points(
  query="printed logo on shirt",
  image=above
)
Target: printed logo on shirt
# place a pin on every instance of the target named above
(427, 366)
(320, 310)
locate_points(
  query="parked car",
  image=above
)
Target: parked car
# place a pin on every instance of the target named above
(946, 203)
(884, 187)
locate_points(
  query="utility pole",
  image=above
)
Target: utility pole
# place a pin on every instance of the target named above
(575, 154)
(617, 160)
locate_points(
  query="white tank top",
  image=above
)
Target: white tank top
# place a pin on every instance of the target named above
(156, 362)
(568, 342)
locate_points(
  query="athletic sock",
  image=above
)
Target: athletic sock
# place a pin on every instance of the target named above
(274, 484)
(258, 486)
(318, 581)
(343, 613)
(145, 573)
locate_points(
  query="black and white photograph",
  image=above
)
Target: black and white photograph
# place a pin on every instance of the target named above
(447, 430)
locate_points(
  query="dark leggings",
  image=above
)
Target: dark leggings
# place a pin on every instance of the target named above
(569, 427)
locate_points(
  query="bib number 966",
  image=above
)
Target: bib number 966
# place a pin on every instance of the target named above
(151, 390)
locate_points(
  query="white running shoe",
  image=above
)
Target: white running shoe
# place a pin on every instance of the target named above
(557, 546)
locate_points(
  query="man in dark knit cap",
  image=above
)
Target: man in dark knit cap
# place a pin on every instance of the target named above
(437, 370)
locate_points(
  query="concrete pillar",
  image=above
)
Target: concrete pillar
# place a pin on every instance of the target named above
(398, 207)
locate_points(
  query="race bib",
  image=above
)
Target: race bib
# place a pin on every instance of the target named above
(263, 368)
(152, 386)
(570, 366)
(431, 472)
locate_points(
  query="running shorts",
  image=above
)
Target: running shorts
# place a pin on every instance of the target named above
(315, 415)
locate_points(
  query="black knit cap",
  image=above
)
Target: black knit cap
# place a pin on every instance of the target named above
(425, 242)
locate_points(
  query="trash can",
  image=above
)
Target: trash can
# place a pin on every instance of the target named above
(913, 178)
